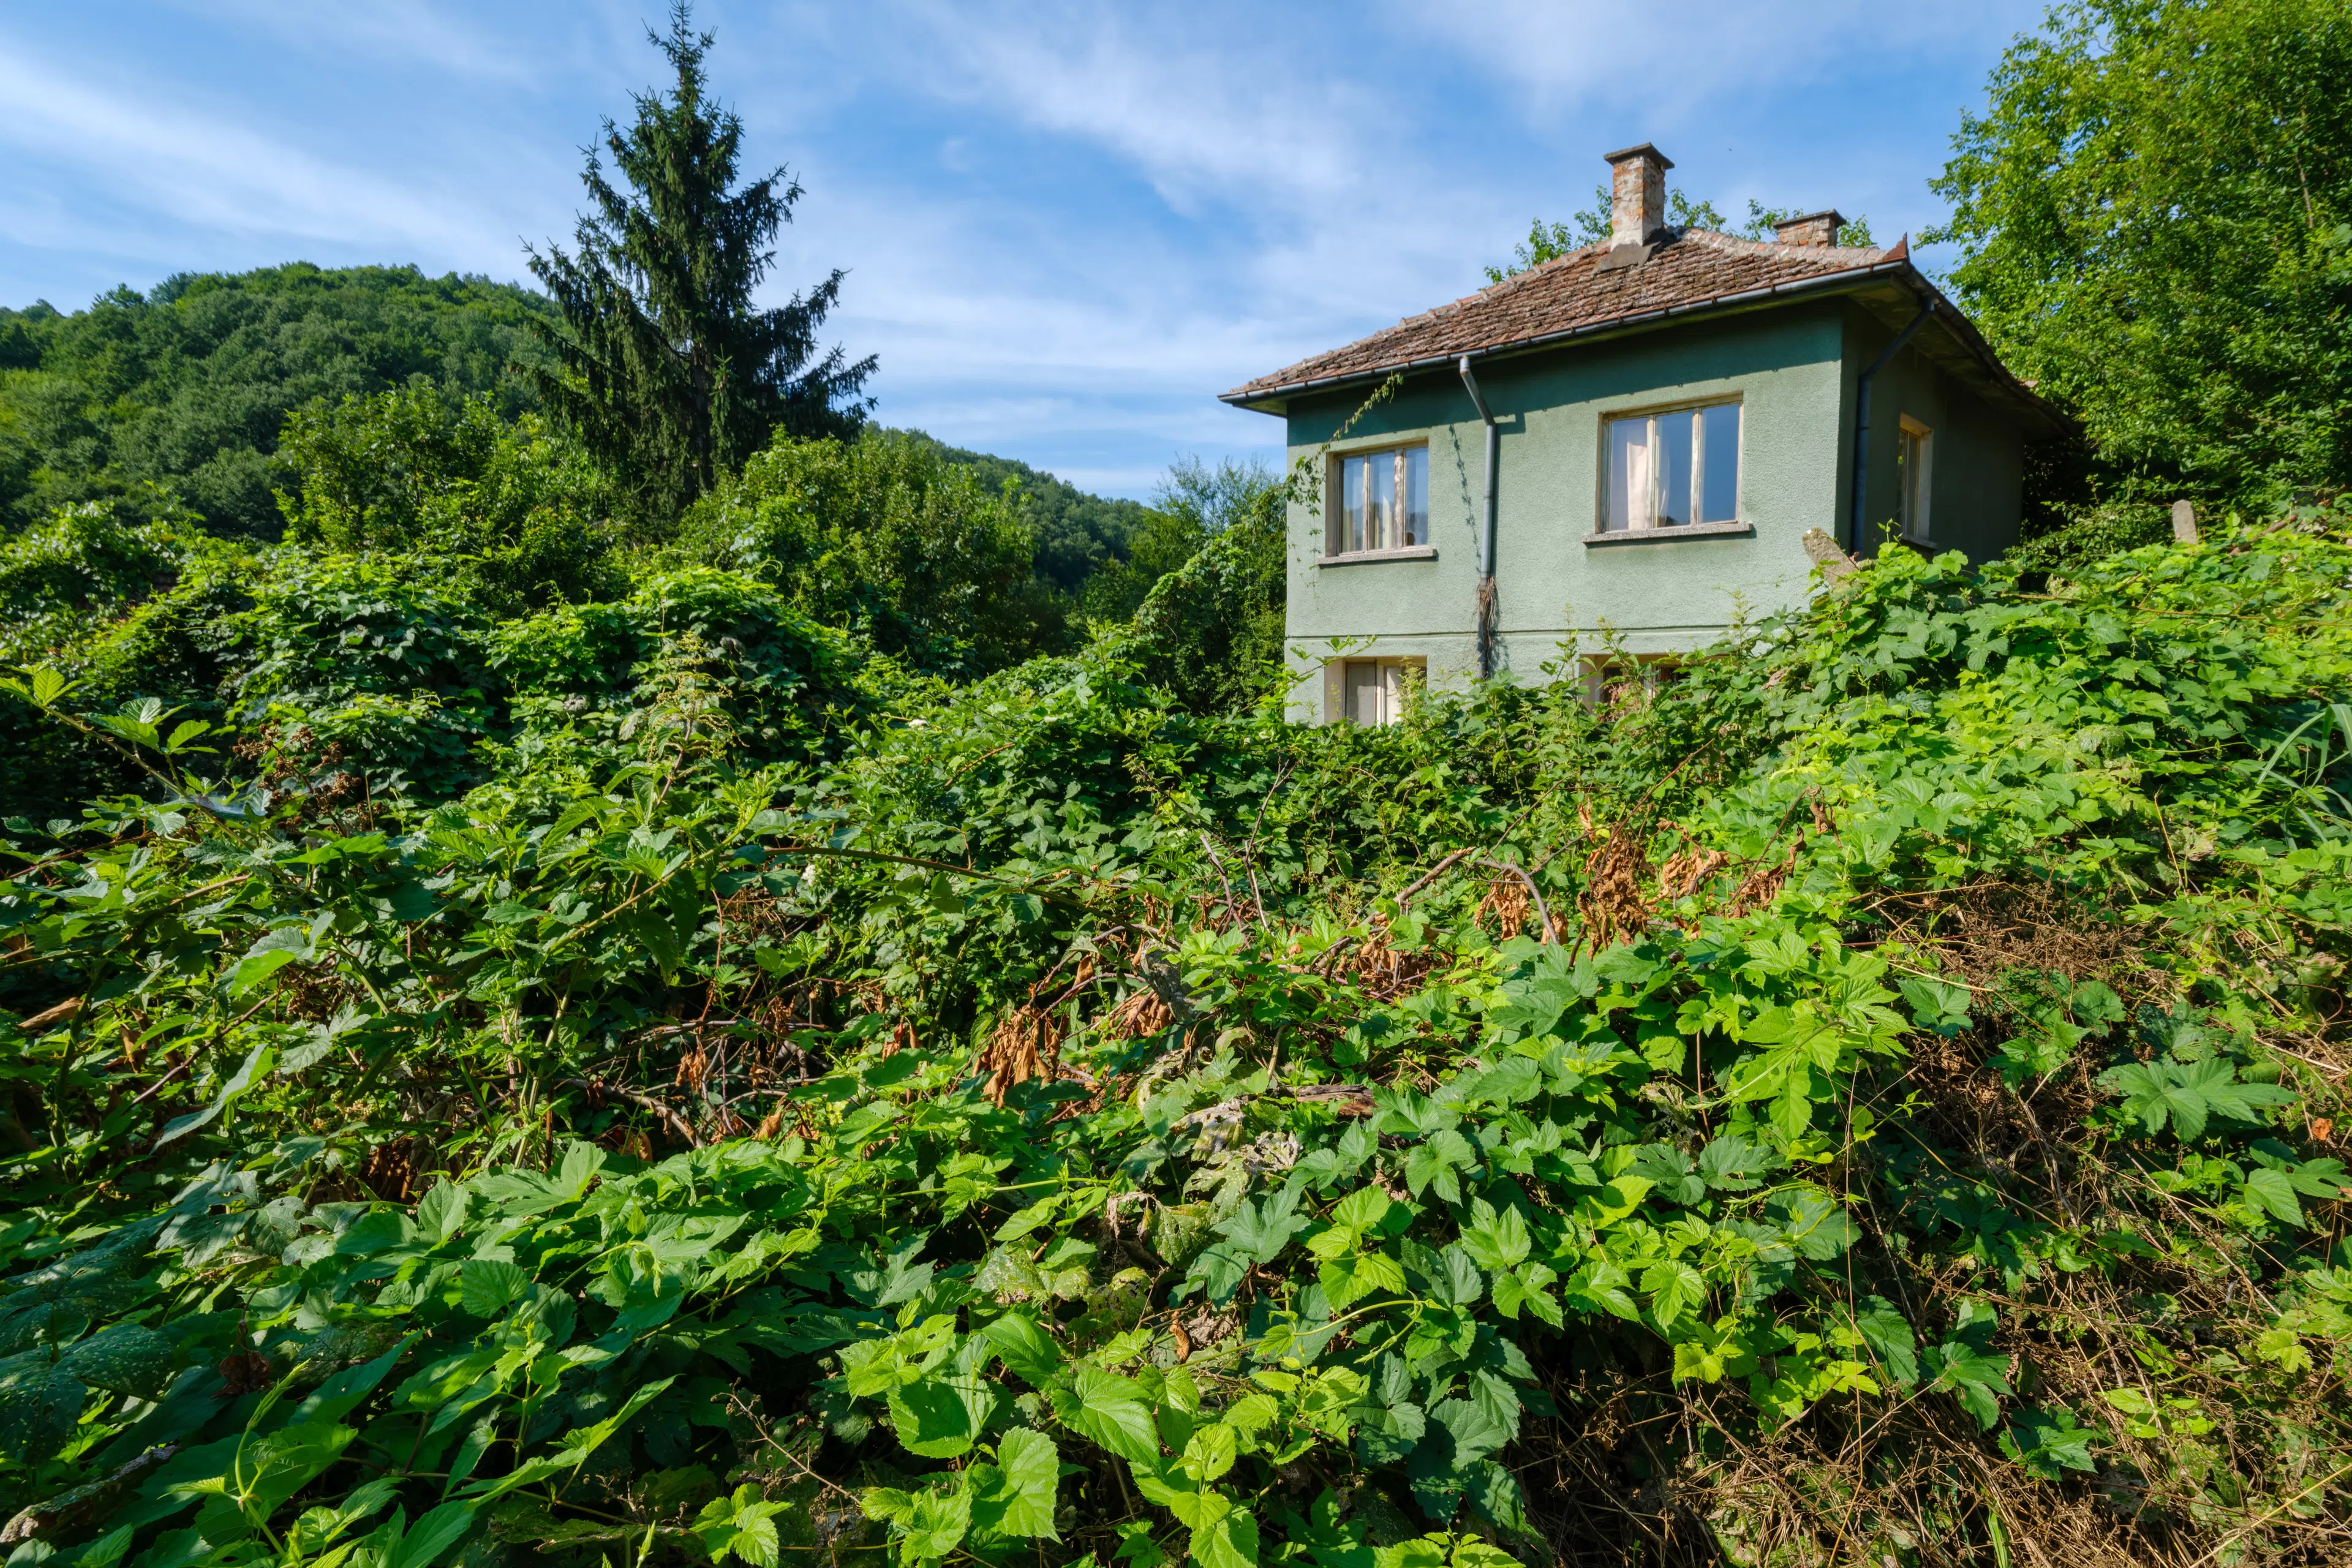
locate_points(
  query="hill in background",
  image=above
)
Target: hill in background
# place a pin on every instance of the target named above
(182, 391)
(187, 386)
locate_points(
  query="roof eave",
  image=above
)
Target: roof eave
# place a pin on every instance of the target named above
(1274, 399)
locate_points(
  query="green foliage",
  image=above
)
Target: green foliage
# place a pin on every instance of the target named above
(1077, 536)
(884, 536)
(663, 366)
(145, 403)
(2155, 219)
(1210, 630)
(418, 470)
(1195, 505)
(1055, 1120)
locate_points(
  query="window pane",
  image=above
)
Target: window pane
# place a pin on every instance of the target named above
(1629, 474)
(1351, 504)
(1719, 478)
(1674, 440)
(1416, 496)
(1363, 680)
(1905, 462)
(1380, 504)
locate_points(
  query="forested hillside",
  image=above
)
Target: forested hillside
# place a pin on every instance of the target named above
(173, 399)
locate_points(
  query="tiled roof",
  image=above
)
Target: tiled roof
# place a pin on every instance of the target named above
(1572, 293)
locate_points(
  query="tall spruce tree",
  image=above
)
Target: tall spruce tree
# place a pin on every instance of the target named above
(662, 365)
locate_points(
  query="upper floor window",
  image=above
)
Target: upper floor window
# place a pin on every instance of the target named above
(1914, 458)
(1383, 501)
(1666, 470)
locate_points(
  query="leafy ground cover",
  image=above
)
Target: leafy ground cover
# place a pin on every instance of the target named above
(646, 1082)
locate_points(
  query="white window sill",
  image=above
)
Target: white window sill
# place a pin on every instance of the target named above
(1365, 557)
(1669, 534)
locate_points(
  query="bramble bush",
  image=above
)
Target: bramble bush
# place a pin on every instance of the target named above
(673, 1088)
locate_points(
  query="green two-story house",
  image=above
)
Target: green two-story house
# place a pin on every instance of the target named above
(1626, 446)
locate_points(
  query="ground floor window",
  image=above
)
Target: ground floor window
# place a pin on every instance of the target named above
(1614, 681)
(1669, 469)
(1373, 690)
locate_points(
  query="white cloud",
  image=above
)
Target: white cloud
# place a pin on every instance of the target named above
(1208, 116)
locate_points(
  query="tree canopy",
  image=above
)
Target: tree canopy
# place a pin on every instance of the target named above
(2154, 221)
(147, 402)
(662, 362)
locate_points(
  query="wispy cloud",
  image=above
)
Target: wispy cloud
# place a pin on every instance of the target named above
(1068, 225)
(163, 158)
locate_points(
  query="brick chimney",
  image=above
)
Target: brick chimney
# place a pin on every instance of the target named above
(1813, 228)
(1637, 196)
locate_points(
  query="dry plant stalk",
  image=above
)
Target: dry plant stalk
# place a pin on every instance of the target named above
(391, 1168)
(1026, 1044)
(1762, 885)
(1611, 906)
(1687, 870)
(1380, 969)
(1140, 1017)
(1508, 904)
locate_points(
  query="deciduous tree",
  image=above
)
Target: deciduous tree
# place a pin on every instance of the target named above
(2155, 223)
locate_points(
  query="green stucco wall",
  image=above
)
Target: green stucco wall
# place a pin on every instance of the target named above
(1793, 369)
(1978, 469)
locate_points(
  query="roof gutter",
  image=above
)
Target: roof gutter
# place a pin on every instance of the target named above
(1487, 526)
(1861, 421)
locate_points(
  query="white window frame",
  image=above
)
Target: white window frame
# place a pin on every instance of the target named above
(1393, 680)
(1652, 413)
(1335, 509)
(1914, 492)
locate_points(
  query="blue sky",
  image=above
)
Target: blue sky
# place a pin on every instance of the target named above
(1068, 226)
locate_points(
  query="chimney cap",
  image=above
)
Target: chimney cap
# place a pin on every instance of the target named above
(1643, 150)
(1828, 220)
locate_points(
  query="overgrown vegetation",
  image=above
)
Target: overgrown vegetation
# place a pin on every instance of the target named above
(645, 1077)
(799, 999)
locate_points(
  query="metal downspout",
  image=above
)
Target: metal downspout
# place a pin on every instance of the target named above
(1486, 528)
(1862, 425)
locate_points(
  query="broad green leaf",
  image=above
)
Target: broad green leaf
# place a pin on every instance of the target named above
(1363, 1209)
(1110, 1410)
(41, 1406)
(1495, 1240)
(422, 1544)
(1031, 1472)
(1348, 1279)
(129, 1358)
(1210, 1453)
(1229, 1540)
(1023, 1346)
(1476, 1428)
(941, 1417)
(255, 1065)
(2273, 1192)
(488, 1288)
(1263, 1227)
(1674, 1288)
